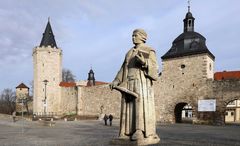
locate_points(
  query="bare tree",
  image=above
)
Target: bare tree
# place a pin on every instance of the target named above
(31, 88)
(7, 101)
(67, 76)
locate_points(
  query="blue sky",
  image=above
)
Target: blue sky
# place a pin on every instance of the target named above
(97, 33)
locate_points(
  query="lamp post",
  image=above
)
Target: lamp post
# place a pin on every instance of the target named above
(45, 98)
(22, 100)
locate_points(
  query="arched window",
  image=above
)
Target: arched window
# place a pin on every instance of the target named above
(189, 23)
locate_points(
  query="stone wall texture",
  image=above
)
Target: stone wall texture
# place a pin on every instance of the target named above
(98, 100)
(177, 86)
(181, 79)
(69, 100)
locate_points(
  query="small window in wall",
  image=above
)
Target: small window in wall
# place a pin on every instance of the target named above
(232, 113)
(226, 113)
(183, 66)
(210, 66)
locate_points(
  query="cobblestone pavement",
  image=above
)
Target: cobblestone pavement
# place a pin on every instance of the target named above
(94, 133)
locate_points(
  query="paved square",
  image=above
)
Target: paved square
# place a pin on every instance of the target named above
(94, 133)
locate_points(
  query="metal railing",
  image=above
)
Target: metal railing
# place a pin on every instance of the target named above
(45, 114)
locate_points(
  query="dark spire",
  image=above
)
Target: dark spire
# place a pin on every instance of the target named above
(48, 37)
(189, 20)
(188, 5)
(91, 78)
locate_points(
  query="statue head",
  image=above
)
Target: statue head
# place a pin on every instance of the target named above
(139, 36)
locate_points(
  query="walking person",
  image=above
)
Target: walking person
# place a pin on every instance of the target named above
(110, 119)
(105, 118)
(14, 116)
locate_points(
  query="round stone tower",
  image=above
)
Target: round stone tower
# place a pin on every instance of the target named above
(47, 66)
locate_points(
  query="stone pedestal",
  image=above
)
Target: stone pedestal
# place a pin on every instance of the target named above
(141, 142)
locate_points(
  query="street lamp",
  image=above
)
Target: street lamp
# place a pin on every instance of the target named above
(45, 98)
(22, 100)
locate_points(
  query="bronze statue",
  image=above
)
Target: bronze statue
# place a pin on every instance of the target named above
(135, 82)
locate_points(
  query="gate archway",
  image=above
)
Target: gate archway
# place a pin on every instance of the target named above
(183, 113)
(232, 111)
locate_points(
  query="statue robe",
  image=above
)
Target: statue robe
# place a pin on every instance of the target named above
(136, 87)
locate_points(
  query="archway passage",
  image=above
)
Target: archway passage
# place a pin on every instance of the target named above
(232, 112)
(183, 113)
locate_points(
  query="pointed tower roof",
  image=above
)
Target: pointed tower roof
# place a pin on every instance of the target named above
(48, 37)
(189, 42)
(22, 85)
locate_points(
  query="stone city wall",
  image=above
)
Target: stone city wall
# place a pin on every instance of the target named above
(97, 100)
(69, 100)
(223, 91)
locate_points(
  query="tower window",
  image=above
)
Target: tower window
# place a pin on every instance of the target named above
(210, 66)
(183, 66)
(189, 23)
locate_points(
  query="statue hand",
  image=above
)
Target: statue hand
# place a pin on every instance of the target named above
(114, 84)
(141, 59)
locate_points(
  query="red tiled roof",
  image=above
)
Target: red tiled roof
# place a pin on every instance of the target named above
(67, 84)
(100, 83)
(226, 75)
(97, 83)
(22, 85)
